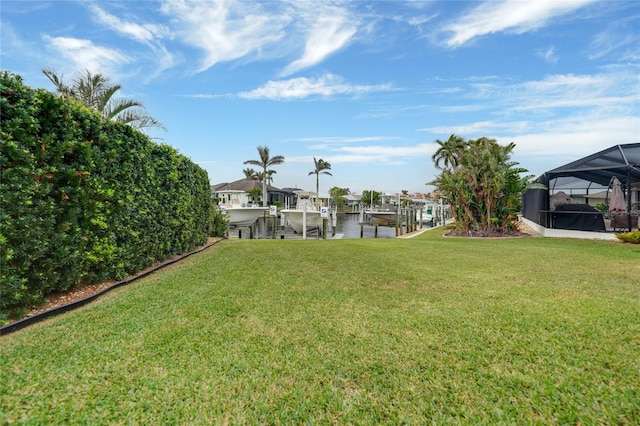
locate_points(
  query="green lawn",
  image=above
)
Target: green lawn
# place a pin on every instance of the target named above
(388, 331)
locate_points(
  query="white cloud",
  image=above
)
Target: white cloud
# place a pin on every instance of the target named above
(461, 108)
(233, 30)
(417, 21)
(10, 39)
(483, 128)
(543, 145)
(345, 139)
(227, 30)
(515, 16)
(623, 41)
(327, 35)
(299, 88)
(569, 90)
(557, 118)
(208, 96)
(147, 34)
(364, 150)
(549, 55)
(140, 32)
(389, 151)
(378, 154)
(556, 142)
(81, 54)
(614, 89)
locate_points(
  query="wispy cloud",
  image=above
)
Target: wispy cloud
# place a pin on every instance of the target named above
(147, 34)
(238, 30)
(570, 90)
(227, 30)
(548, 54)
(568, 115)
(139, 32)
(388, 153)
(418, 21)
(327, 35)
(208, 96)
(514, 16)
(344, 139)
(622, 37)
(11, 42)
(559, 91)
(369, 153)
(299, 88)
(83, 54)
(330, 143)
(485, 128)
(551, 143)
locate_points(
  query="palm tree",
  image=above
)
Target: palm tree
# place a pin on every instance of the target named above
(321, 168)
(265, 162)
(249, 173)
(269, 176)
(449, 152)
(483, 185)
(96, 91)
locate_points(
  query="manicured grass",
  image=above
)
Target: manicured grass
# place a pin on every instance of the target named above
(413, 331)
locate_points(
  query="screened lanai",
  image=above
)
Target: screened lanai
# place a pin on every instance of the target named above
(579, 195)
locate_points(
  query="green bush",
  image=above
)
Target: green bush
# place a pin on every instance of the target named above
(84, 200)
(218, 221)
(632, 237)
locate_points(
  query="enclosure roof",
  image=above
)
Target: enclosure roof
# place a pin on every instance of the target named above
(621, 161)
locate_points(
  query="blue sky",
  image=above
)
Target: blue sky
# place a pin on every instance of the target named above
(365, 85)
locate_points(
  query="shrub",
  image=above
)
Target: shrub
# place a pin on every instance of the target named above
(632, 237)
(217, 221)
(84, 199)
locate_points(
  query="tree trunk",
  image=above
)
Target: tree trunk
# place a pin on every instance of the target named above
(264, 193)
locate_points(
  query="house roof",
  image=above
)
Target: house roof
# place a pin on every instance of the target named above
(621, 161)
(245, 185)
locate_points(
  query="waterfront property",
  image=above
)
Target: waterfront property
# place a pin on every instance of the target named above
(276, 195)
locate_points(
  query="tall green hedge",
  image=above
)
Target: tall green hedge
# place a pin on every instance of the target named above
(85, 200)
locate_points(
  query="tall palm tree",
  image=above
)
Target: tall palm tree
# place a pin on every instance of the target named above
(449, 152)
(265, 162)
(321, 168)
(96, 91)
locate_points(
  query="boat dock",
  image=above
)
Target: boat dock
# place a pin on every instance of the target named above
(344, 226)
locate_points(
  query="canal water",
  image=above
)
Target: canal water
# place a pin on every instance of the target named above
(347, 224)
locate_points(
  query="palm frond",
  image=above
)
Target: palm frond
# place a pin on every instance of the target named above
(96, 91)
(114, 108)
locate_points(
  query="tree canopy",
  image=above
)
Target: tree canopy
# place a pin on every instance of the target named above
(265, 162)
(481, 182)
(337, 194)
(249, 173)
(370, 197)
(321, 167)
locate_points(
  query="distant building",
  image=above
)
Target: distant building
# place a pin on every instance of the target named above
(276, 195)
